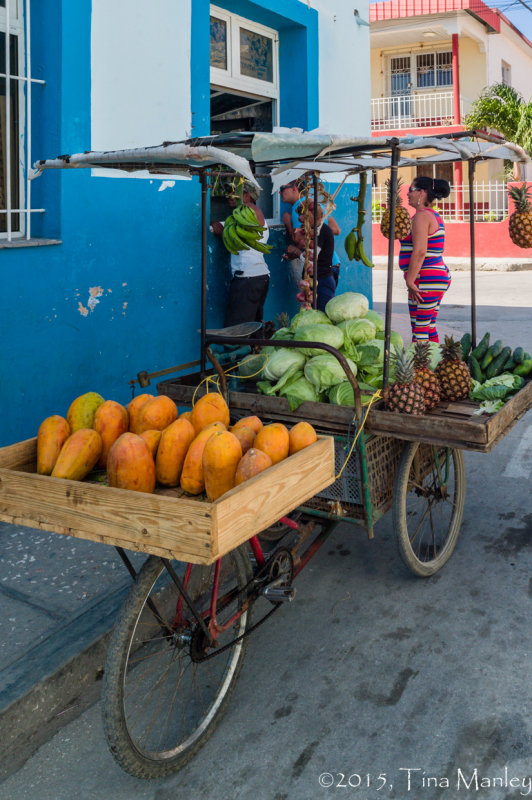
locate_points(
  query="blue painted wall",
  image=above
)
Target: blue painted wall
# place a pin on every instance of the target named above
(139, 244)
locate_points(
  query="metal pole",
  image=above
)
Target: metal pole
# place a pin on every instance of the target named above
(28, 121)
(389, 284)
(8, 119)
(315, 251)
(471, 173)
(203, 182)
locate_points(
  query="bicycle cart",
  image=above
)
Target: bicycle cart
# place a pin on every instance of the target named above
(217, 570)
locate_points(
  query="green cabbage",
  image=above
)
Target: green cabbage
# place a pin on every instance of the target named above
(349, 305)
(377, 319)
(325, 371)
(299, 391)
(343, 395)
(283, 333)
(358, 330)
(280, 361)
(309, 316)
(328, 334)
(371, 353)
(395, 338)
(252, 366)
(497, 388)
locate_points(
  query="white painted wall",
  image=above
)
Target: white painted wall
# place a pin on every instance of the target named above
(509, 46)
(140, 72)
(344, 59)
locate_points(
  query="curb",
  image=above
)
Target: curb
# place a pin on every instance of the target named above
(37, 701)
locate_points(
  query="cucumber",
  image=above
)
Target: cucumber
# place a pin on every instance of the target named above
(474, 369)
(465, 341)
(509, 366)
(518, 355)
(495, 368)
(524, 369)
(486, 361)
(481, 348)
(496, 348)
(528, 357)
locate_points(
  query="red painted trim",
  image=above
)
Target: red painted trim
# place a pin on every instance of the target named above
(418, 131)
(456, 81)
(512, 26)
(397, 9)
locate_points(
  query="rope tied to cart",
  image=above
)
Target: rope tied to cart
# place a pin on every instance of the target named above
(373, 399)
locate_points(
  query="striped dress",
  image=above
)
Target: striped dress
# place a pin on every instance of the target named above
(433, 281)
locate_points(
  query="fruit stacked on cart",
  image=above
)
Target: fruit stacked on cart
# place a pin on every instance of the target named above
(149, 445)
(421, 375)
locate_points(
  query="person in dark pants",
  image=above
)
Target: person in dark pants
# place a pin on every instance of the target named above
(326, 278)
(250, 274)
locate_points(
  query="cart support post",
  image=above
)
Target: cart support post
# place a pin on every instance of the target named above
(203, 183)
(471, 175)
(389, 283)
(315, 251)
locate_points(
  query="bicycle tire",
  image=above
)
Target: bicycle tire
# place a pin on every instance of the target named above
(425, 548)
(159, 704)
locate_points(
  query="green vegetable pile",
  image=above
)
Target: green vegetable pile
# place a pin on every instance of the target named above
(497, 372)
(311, 374)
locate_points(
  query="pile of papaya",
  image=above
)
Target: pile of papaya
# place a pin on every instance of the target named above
(148, 443)
(487, 360)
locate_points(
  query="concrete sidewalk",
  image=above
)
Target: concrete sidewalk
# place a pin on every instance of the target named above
(60, 595)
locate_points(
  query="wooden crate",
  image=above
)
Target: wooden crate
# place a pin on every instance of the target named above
(166, 523)
(450, 424)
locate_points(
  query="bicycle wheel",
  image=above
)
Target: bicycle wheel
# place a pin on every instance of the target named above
(164, 691)
(428, 505)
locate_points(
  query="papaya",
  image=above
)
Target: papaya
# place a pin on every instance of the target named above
(82, 410)
(248, 422)
(209, 408)
(156, 414)
(192, 480)
(152, 439)
(185, 415)
(134, 407)
(273, 440)
(300, 436)
(173, 447)
(252, 463)
(111, 421)
(130, 464)
(51, 436)
(78, 455)
(246, 437)
(221, 456)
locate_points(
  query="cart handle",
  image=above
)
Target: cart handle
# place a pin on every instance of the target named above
(287, 343)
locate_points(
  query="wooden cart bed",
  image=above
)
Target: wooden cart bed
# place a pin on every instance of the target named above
(450, 424)
(167, 523)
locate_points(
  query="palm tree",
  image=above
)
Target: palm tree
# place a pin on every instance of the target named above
(503, 109)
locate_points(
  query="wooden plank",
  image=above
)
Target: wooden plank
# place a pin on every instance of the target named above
(21, 456)
(136, 520)
(261, 501)
(426, 428)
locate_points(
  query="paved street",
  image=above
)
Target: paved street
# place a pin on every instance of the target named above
(383, 684)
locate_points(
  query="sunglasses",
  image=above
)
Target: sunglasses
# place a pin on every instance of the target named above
(413, 189)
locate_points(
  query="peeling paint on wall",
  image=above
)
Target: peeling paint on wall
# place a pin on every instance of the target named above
(82, 310)
(166, 185)
(94, 293)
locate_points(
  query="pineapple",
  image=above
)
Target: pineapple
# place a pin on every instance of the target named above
(403, 222)
(453, 373)
(425, 376)
(520, 223)
(405, 395)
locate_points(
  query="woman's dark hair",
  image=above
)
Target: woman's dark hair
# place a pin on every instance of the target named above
(436, 188)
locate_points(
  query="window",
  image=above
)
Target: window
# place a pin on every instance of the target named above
(506, 73)
(443, 171)
(244, 86)
(434, 69)
(15, 122)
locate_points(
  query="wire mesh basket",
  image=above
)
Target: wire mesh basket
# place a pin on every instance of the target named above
(382, 458)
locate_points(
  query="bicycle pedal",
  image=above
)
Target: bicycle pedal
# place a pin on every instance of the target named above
(279, 594)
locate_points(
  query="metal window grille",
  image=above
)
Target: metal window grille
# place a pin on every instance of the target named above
(15, 115)
(490, 202)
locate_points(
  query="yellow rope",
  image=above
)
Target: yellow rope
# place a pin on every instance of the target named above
(216, 380)
(375, 397)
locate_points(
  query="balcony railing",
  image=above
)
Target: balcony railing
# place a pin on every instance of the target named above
(490, 202)
(415, 111)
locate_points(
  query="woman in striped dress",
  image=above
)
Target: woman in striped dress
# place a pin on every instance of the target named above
(427, 277)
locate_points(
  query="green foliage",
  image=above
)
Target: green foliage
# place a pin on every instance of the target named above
(502, 108)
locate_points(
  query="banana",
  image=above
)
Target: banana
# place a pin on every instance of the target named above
(350, 245)
(246, 218)
(236, 241)
(250, 237)
(261, 247)
(362, 255)
(227, 242)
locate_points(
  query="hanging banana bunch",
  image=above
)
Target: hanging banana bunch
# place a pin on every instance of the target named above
(243, 231)
(354, 241)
